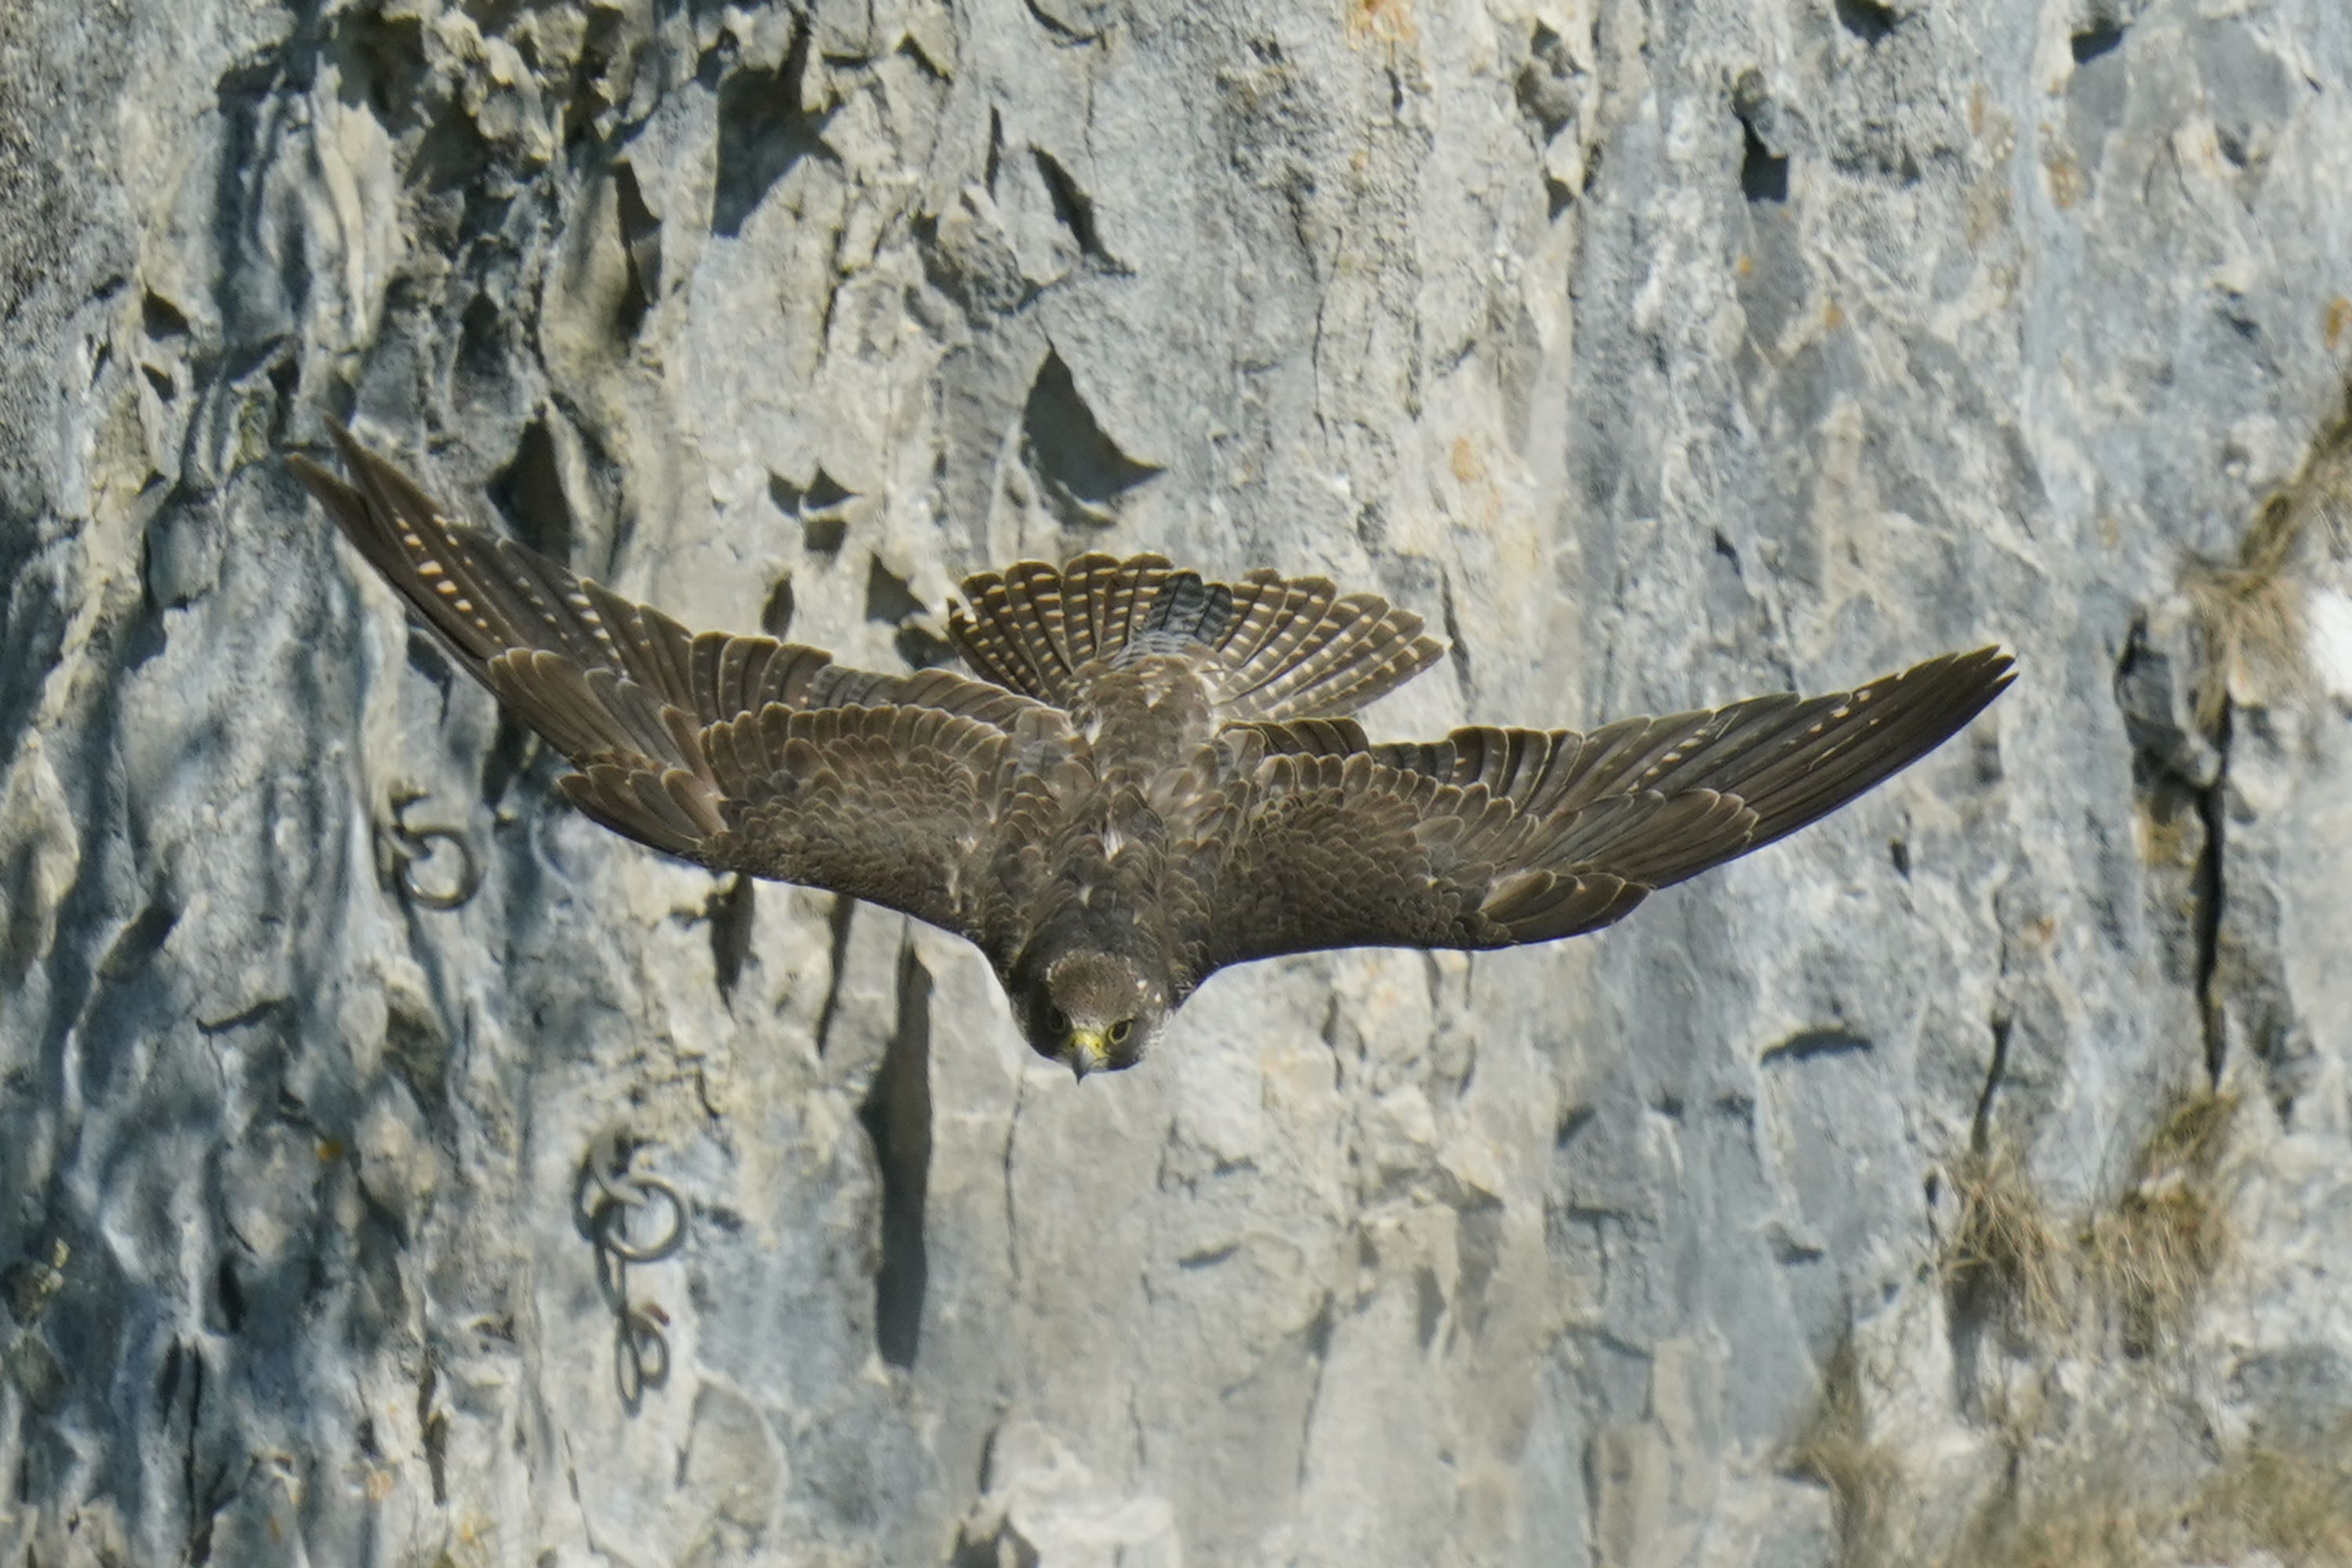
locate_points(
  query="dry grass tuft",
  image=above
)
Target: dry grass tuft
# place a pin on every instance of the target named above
(2324, 487)
(2194, 1134)
(2064, 1498)
(2249, 611)
(2146, 1260)
(2088, 1532)
(2003, 1252)
(2249, 615)
(2295, 1506)
(1835, 1449)
(2155, 1252)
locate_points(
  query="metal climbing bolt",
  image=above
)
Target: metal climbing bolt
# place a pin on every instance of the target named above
(625, 1198)
(401, 845)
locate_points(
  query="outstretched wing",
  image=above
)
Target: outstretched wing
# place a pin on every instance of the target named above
(738, 753)
(901, 806)
(487, 598)
(1492, 837)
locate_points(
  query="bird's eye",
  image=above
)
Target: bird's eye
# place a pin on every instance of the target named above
(1057, 1020)
(1120, 1030)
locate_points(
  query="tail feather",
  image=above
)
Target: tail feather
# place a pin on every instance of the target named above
(1272, 648)
(1284, 616)
(1109, 597)
(1186, 613)
(1031, 628)
(1359, 638)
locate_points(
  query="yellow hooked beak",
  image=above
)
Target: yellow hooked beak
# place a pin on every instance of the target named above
(1084, 1052)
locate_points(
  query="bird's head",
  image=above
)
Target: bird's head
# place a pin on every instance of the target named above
(1091, 1012)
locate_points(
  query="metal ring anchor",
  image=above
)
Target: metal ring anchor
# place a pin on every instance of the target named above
(640, 1354)
(606, 1195)
(408, 854)
(402, 847)
(620, 1194)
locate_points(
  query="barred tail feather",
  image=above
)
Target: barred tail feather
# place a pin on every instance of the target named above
(1031, 628)
(1326, 658)
(1272, 648)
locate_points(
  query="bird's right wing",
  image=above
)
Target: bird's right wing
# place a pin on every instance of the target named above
(486, 598)
(912, 808)
(1492, 837)
(738, 752)
(916, 809)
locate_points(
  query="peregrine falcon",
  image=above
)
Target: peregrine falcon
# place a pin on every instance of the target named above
(1154, 776)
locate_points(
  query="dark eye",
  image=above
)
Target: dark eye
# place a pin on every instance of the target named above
(1057, 1020)
(1120, 1030)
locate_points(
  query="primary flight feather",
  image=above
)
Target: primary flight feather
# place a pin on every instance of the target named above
(1155, 776)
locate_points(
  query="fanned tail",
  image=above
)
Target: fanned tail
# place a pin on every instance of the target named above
(1272, 648)
(1298, 650)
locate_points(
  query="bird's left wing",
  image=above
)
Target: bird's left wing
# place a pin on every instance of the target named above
(1492, 837)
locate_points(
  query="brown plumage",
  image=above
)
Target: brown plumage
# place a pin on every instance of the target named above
(1155, 777)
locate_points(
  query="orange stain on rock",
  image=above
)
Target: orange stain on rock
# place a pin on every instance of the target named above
(2067, 184)
(1391, 21)
(1465, 462)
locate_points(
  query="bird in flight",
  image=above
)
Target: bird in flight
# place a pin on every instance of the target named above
(1153, 777)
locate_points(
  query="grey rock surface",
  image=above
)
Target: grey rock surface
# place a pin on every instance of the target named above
(1977, 1164)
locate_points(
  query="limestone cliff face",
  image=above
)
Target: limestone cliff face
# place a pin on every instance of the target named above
(1973, 1170)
